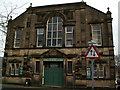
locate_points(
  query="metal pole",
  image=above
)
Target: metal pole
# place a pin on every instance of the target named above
(73, 79)
(92, 61)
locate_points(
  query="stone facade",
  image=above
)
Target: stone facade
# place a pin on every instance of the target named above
(20, 63)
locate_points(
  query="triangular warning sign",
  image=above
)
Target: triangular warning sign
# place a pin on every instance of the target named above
(92, 53)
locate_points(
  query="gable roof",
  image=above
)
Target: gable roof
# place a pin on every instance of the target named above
(64, 4)
(82, 4)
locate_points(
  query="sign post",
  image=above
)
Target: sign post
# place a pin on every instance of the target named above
(92, 61)
(92, 54)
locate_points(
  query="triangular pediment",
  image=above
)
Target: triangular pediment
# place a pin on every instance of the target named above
(53, 53)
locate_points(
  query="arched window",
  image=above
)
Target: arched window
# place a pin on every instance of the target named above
(54, 31)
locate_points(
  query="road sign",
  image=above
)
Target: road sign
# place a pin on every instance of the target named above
(92, 53)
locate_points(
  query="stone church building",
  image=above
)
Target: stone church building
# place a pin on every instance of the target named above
(46, 45)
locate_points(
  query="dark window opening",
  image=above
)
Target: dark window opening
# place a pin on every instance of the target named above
(69, 67)
(37, 66)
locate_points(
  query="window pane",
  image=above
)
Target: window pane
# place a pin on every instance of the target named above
(49, 42)
(69, 42)
(18, 34)
(97, 27)
(95, 33)
(17, 40)
(40, 43)
(40, 40)
(59, 19)
(54, 34)
(49, 27)
(60, 34)
(54, 42)
(69, 35)
(101, 74)
(49, 34)
(99, 37)
(101, 67)
(54, 19)
(98, 32)
(40, 37)
(59, 26)
(17, 66)
(99, 43)
(54, 27)
(69, 29)
(50, 20)
(12, 69)
(40, 31)
(17, 69)
(69, 67)
(59, 42)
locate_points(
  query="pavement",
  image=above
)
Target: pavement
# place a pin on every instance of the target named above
(16, 86)
(22, 87)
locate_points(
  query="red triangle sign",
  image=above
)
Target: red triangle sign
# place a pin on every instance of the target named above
(92, 53)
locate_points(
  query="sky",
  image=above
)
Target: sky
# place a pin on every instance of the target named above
(101, 5)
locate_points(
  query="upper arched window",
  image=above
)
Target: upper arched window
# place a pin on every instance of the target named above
(54, 31)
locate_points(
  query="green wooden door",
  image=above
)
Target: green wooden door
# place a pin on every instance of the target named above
(54, 76)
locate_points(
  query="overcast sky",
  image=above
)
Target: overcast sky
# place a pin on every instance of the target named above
(101, 5)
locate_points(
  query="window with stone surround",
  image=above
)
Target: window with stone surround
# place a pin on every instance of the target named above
(40, 37)
(69, 68)
(37, 68)
(96, 34)
(17, 39)
(69, 36)
(54, 32)
(14, 69)
(99, 71)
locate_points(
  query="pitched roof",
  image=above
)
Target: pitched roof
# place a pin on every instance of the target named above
(64, 4)
(60, 5)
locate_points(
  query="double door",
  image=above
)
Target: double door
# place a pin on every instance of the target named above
(53, 74)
